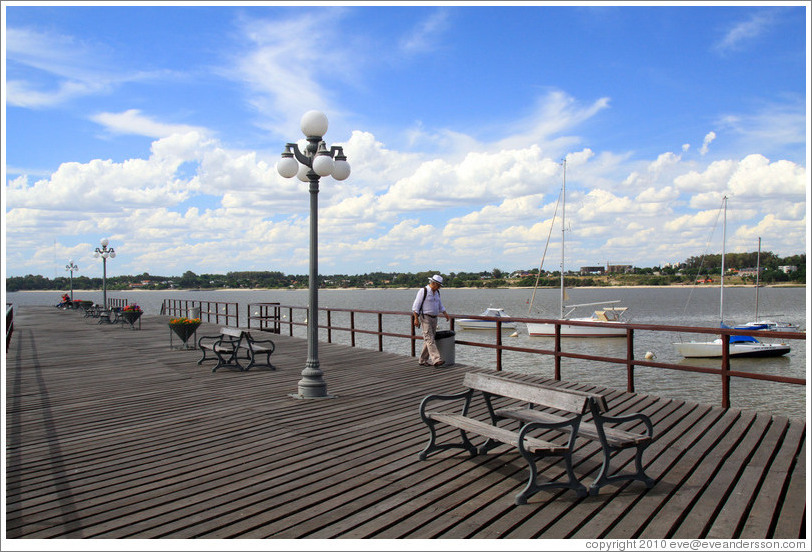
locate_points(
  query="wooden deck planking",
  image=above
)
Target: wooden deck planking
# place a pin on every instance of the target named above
(112, 435)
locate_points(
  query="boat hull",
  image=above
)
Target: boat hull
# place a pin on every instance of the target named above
(713, 349)
(609, 329)
(473, 324)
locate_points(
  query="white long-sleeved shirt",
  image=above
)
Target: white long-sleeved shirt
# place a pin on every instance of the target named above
(432, 305)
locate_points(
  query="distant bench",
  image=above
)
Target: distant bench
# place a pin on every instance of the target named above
(230, 343)
(573, 403)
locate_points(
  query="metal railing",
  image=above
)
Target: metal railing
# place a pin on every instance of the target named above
(267, 315)
(113, 303)
(629, 361)
(207, 311)
(9, 323)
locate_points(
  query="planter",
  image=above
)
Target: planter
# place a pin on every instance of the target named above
(184, 331)
(131, 317)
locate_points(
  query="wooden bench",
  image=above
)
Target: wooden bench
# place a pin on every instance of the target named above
(230, 343)
(530, 446)
(612, 439)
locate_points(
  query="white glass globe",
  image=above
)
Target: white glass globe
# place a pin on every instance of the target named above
(287, 167)
(323, 165)
(341, 170)
(314, 123)
(96, 254)
(302, 174)
(112, 254)
(104, 242)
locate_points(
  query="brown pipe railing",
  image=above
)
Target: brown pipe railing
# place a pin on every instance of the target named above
(9, 323)
(629, 361)
(268, 316)
(229, 312)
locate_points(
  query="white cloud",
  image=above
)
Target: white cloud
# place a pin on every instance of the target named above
(743, 33)
(709, 137)
(132, 122)
(423, 38)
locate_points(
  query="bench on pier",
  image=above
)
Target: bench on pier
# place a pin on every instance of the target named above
(602, 428)
(228, 346)
(530, 446)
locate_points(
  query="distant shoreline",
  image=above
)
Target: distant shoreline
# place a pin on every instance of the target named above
(208, 290)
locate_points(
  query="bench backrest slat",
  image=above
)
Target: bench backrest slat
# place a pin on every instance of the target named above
(233, 332)
(528, 392)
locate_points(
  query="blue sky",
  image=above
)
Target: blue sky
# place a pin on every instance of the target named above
(159, 127)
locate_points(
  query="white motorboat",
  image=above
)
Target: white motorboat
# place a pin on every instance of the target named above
(609, 318)
(740, 346)
(479, 324)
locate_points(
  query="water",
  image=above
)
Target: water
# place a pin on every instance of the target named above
(677, 306)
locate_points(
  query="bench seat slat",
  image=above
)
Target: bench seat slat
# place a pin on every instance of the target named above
(532, 444)
(619, 438)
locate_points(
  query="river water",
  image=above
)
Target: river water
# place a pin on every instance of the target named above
(674, 306)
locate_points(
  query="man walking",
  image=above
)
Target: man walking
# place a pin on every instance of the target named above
(425, 310)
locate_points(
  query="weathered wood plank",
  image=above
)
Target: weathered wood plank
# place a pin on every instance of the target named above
(134, 440)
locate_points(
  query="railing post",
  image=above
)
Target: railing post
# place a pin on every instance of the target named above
(630, 360)
(352, 328)
(498, 345)
(557, 351)
(290, 320)
(329, 326)
(380, 331)
(414, 335)
(725, 371)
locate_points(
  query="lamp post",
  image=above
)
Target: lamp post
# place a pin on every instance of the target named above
(104, 252)
(70, 267)
(309, 165)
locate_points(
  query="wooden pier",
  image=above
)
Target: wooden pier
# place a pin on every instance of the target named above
(110, 434)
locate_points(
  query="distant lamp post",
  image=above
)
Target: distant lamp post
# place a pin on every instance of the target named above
(309, 165)
(71, 267)
(104, 252)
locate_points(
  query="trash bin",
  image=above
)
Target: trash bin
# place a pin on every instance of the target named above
(445, 344)
(193, 312)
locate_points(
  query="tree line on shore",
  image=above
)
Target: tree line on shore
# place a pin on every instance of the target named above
(705, 269)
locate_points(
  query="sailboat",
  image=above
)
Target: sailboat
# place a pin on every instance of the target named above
(765, 324)
(740, 345)
(608, 317)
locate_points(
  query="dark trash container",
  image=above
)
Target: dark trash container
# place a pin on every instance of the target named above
(446, 345)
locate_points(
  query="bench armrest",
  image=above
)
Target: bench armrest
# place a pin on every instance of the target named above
(466, 395)
(601, 419)
(573, 422)
(213, 338)
(271, 344)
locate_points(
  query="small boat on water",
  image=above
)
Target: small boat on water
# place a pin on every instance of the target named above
(769, 326)
(609, 317)
(479, 324)
(740, 346)
(764, 324)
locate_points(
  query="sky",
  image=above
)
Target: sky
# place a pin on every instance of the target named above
(159, 127)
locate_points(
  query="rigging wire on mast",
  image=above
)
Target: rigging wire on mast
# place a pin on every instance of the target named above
(546, 245)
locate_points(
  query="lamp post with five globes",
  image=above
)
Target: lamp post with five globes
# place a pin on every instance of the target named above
(70, 267)
(104, 252)
(310, 165)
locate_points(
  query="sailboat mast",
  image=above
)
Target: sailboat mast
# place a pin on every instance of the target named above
(758, 271)
(563, 218)
(722, 286)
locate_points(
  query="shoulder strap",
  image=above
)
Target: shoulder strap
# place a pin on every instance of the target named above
(425, 293)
